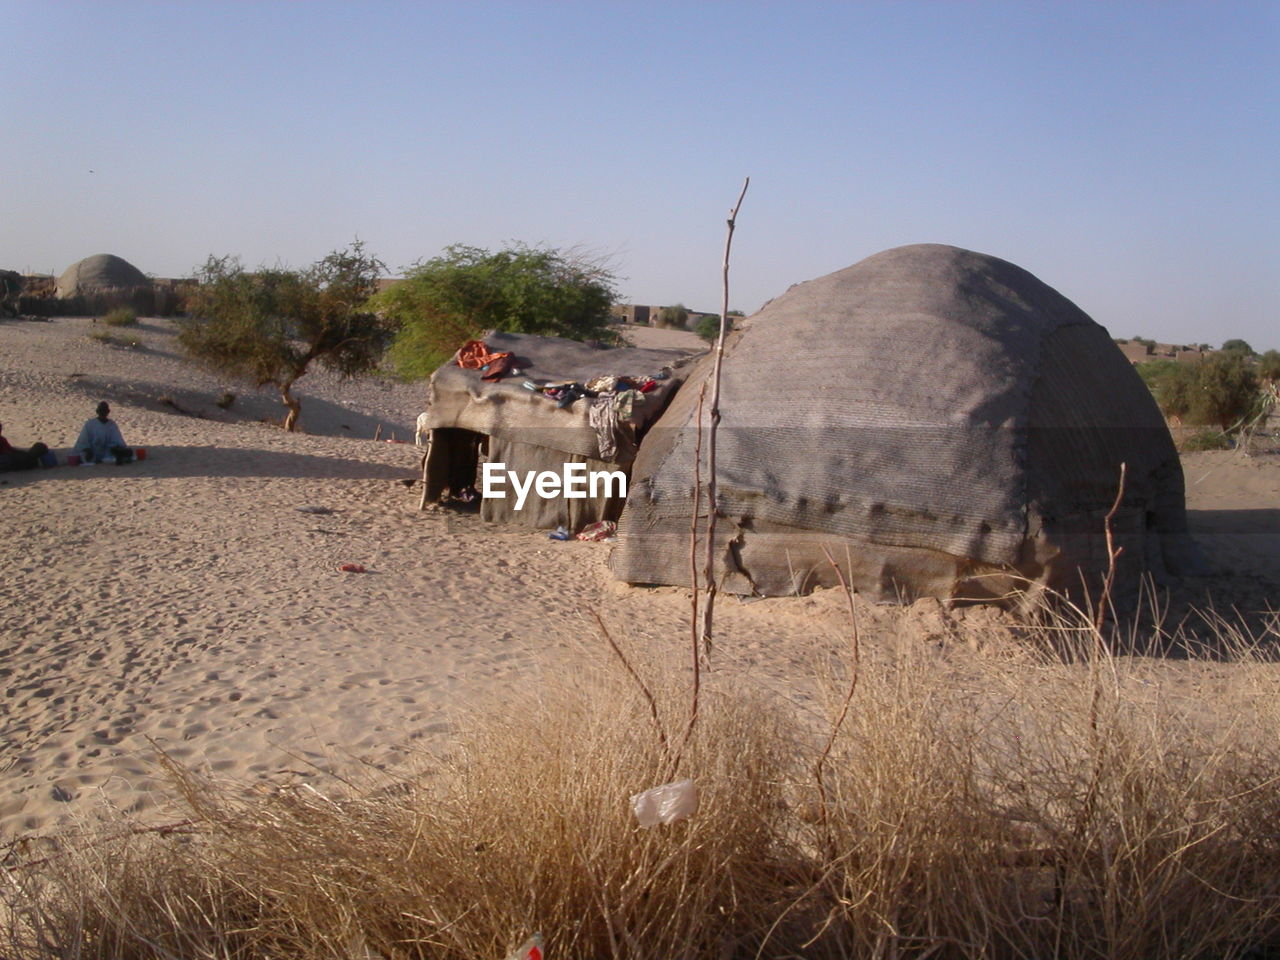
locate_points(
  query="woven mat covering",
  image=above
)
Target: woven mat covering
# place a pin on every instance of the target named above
(459, 398)
(933, 410)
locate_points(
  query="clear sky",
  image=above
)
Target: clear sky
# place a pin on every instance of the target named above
(1126, 153)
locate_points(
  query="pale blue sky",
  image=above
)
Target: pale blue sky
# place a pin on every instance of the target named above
(1126, 153)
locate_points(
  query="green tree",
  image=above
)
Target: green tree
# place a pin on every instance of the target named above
(1171, 383)
(675, 316)
(458, 295)
(708, 328)
(1238, 346)
(1269, 365)
(1226, 390)
(269, 325)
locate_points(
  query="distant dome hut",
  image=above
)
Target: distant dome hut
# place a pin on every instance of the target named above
(939, 421)
(103, 271)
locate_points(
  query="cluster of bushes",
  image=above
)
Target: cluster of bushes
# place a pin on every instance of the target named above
(268, 326)
(1063, 808)
(1219, 391)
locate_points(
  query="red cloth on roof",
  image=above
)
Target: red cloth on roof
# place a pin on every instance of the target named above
(476, 354)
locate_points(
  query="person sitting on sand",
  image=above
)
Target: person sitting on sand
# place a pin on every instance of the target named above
(15, 458)
(100, 438)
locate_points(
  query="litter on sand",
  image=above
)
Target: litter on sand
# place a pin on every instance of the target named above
(531, 949)
(352, 568)
(313, 510)
(668, 803)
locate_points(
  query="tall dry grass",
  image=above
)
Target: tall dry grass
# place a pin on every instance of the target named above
(1038, 799)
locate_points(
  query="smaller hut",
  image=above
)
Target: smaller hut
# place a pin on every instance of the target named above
(99, 273)
(536, 405)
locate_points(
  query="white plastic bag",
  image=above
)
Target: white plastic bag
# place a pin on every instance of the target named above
(531, 949)
(668, 803)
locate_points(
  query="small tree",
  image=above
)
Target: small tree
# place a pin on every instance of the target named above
(466, 290)
(1238, 346)
(1226, 390)
(675, 316)
(268, 326)
(708, 328)
(1171, 383)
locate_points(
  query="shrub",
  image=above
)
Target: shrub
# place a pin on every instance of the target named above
(673, 317)
(1269, 365)
(1171, 383)
(1220, 390)
(1226, 390)
(109, 339)
(708, 328)
(1211, 439)
(464, 291)
(1038, 800)
(121, 317)
(1238, 346)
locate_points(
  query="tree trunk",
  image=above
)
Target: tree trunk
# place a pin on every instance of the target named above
(295, 408)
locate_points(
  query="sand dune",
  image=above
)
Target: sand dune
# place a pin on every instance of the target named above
(185, 603)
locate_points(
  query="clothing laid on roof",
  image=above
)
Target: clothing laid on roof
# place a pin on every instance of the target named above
(493, 365)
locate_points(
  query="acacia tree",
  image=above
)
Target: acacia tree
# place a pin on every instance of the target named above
(675, 316)
(451, 298)
(268, 326)
(1238, 346)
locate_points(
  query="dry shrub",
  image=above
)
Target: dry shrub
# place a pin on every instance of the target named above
(526, 827)
(1051, 805)
(1046, 800)
(121, 317)
(109, 339)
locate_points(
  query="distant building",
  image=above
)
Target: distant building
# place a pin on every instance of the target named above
(1134, 351)
(633, 312)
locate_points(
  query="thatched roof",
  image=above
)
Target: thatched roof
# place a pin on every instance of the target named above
(940, 420)
(102, 270)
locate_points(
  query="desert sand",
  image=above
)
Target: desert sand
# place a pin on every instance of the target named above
(190, 604)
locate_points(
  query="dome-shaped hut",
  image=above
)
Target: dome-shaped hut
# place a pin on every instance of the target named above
(941, 422)
(102, 271)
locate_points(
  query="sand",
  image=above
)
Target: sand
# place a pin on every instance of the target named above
(187, 605)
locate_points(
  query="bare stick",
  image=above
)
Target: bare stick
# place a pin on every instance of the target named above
(713, 508)
(856, 659)
(644, 687)
(1095, 666)
(693, 580)
(1113, 554)
(377, 434)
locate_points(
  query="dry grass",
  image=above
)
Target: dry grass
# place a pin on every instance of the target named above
(110, 339)
(1031, 800)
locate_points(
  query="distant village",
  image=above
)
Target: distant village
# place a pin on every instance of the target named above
(104, 282)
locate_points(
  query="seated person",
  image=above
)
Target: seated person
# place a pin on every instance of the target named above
(100, 438)
(15, 458)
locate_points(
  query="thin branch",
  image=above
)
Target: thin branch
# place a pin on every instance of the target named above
(644, 687)
(856, 660)
(693, 581)
(713, 509)
(1113, 554)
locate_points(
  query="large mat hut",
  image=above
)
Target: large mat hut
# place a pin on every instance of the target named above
(525, 419)
(940, 421)
(102, 271)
